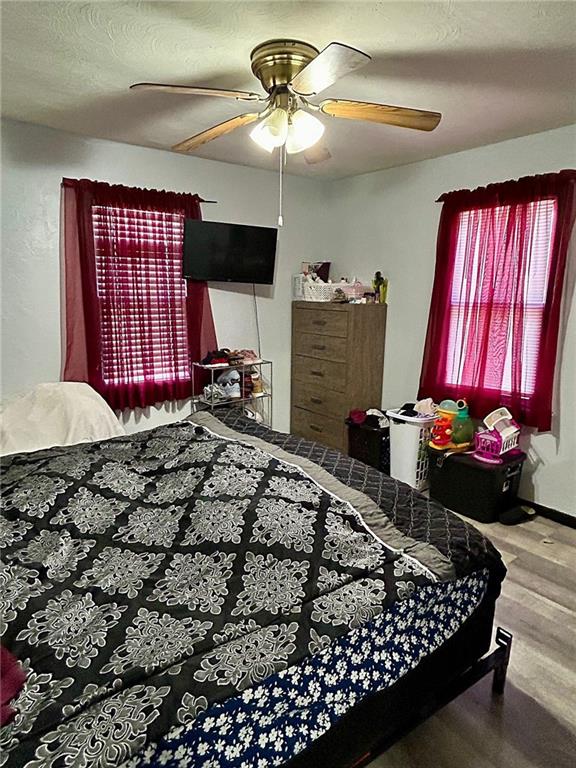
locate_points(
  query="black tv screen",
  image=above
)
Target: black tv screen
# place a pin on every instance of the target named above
(233, 253)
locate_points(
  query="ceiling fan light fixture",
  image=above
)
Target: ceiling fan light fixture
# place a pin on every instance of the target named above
(272, 131)
(290, 71)
(304, 131)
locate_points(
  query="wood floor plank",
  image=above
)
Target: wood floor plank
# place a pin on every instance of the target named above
(551, 589)
(533, 725)
(542, 525)
(564, 534)
(508, 557)
(526, 597)
(558, 554)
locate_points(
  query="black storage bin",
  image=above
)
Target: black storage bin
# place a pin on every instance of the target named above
(475, 488)
(370, 445)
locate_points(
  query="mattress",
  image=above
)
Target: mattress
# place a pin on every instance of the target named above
(197, 595)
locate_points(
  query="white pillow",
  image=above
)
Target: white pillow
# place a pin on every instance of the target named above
(60, 413)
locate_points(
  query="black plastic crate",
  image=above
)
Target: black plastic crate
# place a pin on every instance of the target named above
(370, 445)
(475, 488)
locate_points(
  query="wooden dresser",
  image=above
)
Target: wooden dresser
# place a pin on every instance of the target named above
(337, 365)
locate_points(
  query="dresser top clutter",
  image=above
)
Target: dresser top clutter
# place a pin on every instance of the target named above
(337, 365)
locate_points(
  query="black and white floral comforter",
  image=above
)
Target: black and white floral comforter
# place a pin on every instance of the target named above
(148, 578)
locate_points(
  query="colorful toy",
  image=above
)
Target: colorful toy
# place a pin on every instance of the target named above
(448, 408)
(441, 435)
(501, 436)
(453, 428)
(462, 427)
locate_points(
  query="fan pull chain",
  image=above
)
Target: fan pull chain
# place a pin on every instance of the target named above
(280, 197)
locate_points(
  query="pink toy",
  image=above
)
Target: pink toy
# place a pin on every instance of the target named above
(501, 436)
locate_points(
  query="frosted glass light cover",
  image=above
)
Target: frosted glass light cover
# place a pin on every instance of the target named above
(271, 132)
(303, 132)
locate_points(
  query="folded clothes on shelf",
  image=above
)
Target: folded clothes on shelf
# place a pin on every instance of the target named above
(216, 357)
(249, 355)
(232, 357)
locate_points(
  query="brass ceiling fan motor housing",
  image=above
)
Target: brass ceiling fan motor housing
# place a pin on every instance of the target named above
(277, 62)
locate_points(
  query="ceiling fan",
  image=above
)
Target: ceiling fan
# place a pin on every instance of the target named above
(291, 72)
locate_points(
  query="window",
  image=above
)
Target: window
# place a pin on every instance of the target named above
(132, 324)
(482, 296)
(142, 296)
(494, 323)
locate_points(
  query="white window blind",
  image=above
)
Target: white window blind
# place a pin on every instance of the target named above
(142, 295)
(490, 243)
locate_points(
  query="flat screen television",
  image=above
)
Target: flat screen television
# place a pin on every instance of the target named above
(233, 253)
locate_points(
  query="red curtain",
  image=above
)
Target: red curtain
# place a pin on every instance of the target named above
(132, 324)
(495, 311)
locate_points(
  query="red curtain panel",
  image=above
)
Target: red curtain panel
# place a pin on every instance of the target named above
(132, 325)
(495, 311)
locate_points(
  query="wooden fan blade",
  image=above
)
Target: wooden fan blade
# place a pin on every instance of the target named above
(317, 154)
(335, 61)
(193, 90)
(189, 145)
(403, 117)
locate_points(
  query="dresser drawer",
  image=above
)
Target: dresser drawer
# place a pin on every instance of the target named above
(325, 373)
(322, 429)
(323, 321)
(320, 347)
(319, 399)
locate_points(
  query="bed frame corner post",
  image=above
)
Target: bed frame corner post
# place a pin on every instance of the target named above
(504, 642)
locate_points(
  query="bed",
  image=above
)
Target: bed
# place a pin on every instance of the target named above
(212, 593)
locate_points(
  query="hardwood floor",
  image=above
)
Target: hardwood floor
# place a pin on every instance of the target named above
(533, 725)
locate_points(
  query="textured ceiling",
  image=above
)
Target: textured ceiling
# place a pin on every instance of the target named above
(495, 70)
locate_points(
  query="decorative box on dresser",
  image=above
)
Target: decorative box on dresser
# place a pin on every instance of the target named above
(337, 365)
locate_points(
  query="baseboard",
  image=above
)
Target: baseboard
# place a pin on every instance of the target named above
(552, 514)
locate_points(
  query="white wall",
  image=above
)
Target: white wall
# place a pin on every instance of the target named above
(388, 220)
(35, 159)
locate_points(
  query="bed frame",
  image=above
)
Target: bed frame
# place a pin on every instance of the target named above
(382, 719)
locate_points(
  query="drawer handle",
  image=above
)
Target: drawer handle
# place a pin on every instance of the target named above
(319, 322)
(314, 428)
(319, 347)
(317, 373)
(316, 400)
